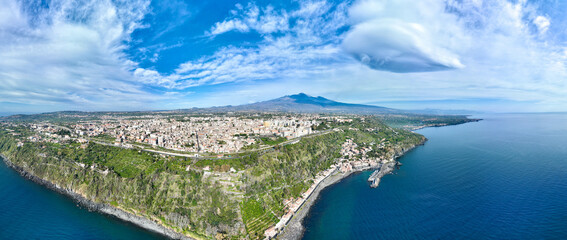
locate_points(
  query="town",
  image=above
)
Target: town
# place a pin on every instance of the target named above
(182, 133)
(245, 157)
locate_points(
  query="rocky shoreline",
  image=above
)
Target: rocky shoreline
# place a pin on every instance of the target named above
(387, 168)
(294, 229)
(99, 207)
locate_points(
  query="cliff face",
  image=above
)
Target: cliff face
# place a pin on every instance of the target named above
(176, 197)
(100, 207)
(164, 201)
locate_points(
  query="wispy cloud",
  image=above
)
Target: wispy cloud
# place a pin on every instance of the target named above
(489, 49)
(70, 53)
(229, 25)
(251, 17)
(287, 50)
(81, 54)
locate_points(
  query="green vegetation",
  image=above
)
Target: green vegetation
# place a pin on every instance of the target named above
(63, 132)
(105, 138)
(256, 217)
(178, 193)
(150, 185)
(223, 165)
(321, 126)
(250, 147)
(285, 173)
(273, 140)
(412, 121)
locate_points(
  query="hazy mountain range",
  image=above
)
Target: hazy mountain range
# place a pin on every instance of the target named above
(302, 103)
(298, 103)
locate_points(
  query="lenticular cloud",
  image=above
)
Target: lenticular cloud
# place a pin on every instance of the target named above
(390, 37)
(396, 46)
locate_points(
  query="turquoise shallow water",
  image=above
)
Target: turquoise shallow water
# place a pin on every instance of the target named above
(31, 211)
(501, 178)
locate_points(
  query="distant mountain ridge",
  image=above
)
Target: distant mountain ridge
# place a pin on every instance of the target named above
(302, 103)
(297, 103)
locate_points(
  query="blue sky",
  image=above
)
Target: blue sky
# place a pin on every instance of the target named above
(92, 55)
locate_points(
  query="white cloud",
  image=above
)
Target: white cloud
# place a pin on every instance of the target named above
(229, 25)
(400, 36)
(542, 24)
(274, 60)
(70, 54)
(507, 63)
(496, 49)
(286, 51)
(397, 46)
(11, 16)
(263, 21)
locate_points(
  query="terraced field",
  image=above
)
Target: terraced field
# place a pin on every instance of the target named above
(257, 226)
(256, 218)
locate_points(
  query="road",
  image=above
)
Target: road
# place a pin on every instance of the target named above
(291, 141)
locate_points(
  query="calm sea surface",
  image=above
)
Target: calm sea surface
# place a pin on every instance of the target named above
(31, 211)
(501, 178)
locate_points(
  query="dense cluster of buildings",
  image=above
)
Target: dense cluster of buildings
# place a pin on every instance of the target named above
(207, 133)
(197, 134)
(46, 133)
(216, 134)
(355, 157)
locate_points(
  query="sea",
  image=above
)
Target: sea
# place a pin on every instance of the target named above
(31, 211)
(504, 177)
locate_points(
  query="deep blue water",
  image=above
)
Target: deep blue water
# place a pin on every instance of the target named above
(502, 178)
(31, 211)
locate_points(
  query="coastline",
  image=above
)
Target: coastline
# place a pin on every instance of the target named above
(106, 209)
(413, 129)
(294, 229)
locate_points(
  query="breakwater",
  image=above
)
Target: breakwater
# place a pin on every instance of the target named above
(501, 178)
(296, 228)
(388, 167)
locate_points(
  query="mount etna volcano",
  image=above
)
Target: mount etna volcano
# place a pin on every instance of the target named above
(303, 103)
